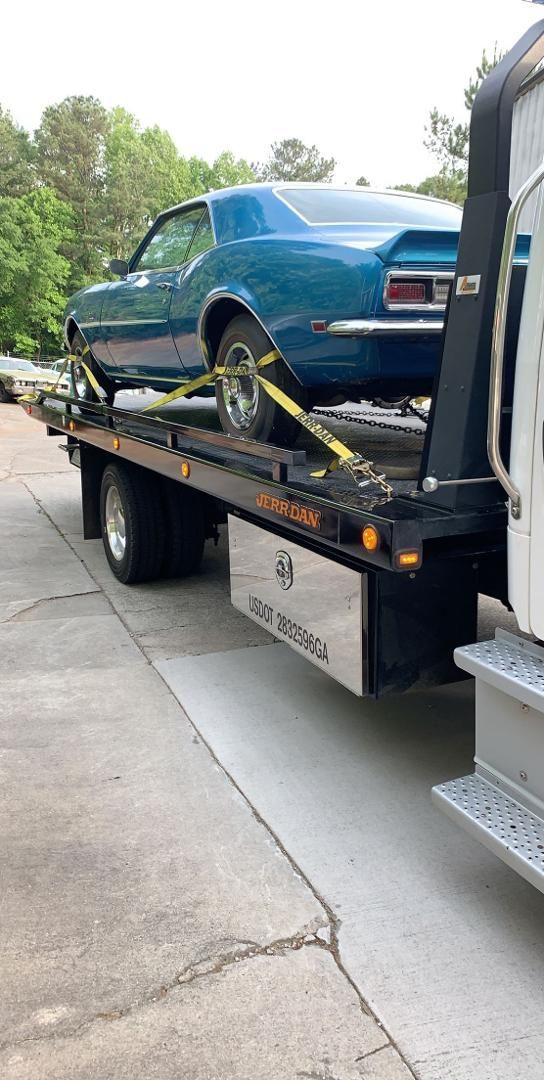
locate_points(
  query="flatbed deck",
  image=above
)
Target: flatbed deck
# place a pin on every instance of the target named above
(422, 579)
(264, 482)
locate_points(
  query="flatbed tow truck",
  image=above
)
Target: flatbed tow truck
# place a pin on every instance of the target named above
(377, 584)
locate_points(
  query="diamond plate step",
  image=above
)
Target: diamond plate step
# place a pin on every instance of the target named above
(497, 821)
(508, 663)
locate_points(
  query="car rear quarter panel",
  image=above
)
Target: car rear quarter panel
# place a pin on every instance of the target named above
(287, 283)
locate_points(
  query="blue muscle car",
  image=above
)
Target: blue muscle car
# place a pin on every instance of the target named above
(349, 285)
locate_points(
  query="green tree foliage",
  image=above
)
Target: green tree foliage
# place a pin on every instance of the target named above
(290, 159)
(144, 174)
(70, 147)
(33, 229)
(125, 179)
(16, 174)
(448, 141)
(168, 175)
(362, 182)
(226, 171)
(444, 185)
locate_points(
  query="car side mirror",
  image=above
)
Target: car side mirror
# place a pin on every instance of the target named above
(119, 267)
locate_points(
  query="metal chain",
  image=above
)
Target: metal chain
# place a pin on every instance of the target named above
(361, 466)
(362, 418)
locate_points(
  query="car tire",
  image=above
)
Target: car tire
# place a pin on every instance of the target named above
(4, 396)
(184, 532)
(392, 402)
(244, 407)
(80, 385)
(132, 521)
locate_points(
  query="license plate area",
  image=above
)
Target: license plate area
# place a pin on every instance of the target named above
(313, 604)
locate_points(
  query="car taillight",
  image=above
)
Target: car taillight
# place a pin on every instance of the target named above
(441, 292)
(406, 292)
(410, 289)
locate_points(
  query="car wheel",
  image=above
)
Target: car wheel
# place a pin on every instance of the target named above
(184, 532)
(244, 407)
(132, 523)
(4, 396)
(81, 387)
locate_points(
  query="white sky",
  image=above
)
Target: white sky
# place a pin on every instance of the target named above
(356, 77)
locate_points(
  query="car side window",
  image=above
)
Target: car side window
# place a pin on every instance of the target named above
(169, 244)
(203, 238)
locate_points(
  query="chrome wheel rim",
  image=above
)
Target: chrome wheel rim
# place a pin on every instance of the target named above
(115, 523)
(240, 392)
(79, 378)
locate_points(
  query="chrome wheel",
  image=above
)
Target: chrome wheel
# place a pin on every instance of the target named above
(115, 523)
(79, 377)
(240, 392)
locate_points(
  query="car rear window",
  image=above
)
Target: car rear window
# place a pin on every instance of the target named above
(335, 206)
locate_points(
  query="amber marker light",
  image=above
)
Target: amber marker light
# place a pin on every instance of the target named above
(116, 442)
(185, 469)
(370, 538)
(71, 425)
(408, 558)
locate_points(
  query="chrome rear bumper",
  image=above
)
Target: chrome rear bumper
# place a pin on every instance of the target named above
(389, 328)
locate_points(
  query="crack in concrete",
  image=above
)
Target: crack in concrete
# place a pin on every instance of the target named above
(334, 923)
(245, 950)
(99, 588)
(45, 600)
(378, 1050)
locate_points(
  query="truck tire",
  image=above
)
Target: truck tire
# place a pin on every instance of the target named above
(4, 396)
(132, 522)
(81, 387)
(244, 407)
(185, 530)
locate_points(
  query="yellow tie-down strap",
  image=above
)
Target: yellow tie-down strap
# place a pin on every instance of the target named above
(70, 359)
(345, 458)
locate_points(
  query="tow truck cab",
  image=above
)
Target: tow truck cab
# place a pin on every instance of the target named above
(502, 802)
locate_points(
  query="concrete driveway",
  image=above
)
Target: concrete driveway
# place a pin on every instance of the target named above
(216, 862)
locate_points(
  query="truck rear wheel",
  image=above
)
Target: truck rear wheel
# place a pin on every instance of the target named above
(185, 530)
(132, 522)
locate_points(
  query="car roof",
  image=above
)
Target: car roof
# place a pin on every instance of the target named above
(284, 185)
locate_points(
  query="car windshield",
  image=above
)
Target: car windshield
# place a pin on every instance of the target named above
(12, 363)
(338, 206)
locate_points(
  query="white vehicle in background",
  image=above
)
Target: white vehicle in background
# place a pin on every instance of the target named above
(19, 377)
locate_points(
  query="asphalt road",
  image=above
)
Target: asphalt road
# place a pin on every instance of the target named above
(217, 862)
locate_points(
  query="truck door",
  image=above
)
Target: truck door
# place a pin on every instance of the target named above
(526, 532)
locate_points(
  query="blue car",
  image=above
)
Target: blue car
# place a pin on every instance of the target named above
(349, 285)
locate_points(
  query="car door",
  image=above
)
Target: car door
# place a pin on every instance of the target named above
(135, 314)
(192, 287)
